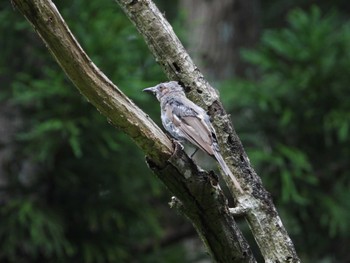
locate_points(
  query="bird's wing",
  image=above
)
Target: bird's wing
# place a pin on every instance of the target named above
(192, 125)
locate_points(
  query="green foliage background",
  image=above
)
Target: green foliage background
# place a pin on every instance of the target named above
(293, 115)
(91, 197)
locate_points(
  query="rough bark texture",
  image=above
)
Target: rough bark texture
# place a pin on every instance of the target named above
(259, 210)
(199, 196)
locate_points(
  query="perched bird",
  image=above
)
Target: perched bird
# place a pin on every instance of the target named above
(186, 121)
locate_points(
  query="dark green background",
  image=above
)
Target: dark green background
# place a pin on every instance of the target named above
(77, 190)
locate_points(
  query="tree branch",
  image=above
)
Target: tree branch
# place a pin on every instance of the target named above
(201, 199)
(261, 215)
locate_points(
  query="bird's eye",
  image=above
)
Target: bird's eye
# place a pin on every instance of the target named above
(163, 89)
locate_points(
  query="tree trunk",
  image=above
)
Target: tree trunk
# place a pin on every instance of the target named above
(218, 30)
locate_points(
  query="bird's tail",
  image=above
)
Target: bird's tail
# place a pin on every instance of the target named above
(226, 170)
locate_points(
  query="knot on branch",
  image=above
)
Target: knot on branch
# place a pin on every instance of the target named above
(133, 2)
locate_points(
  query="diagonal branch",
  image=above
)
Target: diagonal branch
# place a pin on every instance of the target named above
(199, 196)
(261, 214)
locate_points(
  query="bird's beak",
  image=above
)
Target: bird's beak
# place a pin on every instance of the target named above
(151, 89)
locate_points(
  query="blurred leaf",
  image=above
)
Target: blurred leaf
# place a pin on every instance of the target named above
(294, 121)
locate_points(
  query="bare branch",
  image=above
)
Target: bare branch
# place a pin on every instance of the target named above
(92, 83)
(267, 228)
(201, 199)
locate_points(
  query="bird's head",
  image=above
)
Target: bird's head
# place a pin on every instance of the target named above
(165, 88)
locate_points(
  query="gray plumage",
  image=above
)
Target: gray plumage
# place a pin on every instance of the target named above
(186, 121)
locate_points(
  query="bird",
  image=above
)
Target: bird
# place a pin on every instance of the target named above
(188, 122)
